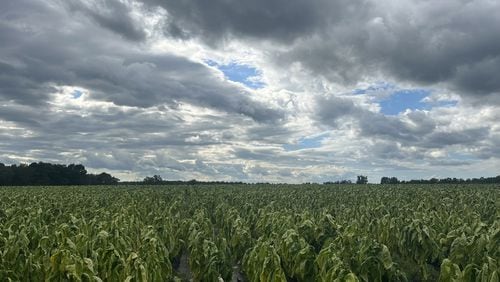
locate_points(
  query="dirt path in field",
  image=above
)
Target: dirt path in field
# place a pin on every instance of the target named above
(237, 275)
(184, 271)
(183, 268)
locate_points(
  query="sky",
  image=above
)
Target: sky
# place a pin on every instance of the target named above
(264, 90)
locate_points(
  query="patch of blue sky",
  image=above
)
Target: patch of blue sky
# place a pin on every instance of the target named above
(394, 100)
(241, 73)
(305, 143)
(401, 100)
(76, 94)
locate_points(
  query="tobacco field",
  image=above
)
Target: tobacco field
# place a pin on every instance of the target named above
(250, 233)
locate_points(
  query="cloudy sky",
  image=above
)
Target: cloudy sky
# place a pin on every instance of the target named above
(262, 90)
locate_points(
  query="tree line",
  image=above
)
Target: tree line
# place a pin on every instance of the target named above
(51, 174)
(448, 180)
(361, 179)
(75, 174)
(158, 180)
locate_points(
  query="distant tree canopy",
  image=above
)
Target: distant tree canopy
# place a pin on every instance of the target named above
(75, 174)
(481, 180)
(362, 179)
(389, 180)
(344, 181)
(156, 179)
(51, 174)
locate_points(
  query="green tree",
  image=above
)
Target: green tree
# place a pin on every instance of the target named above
(362, 179)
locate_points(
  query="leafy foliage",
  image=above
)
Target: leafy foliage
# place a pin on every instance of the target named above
(263, 233)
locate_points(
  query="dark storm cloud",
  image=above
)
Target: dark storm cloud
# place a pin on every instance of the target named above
(39, 55)
(281, 20)
(450, 41)
(421, 42)
(16, 84)
(478, 78)
(111, 14)
(21, 115)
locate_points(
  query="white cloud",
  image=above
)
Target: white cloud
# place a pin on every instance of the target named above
(150, 104)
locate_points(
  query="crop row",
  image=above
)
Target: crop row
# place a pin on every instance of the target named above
(254, 232)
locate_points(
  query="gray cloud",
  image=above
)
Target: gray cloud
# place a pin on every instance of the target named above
(464, 137)
(477, 78)
(450, 43)
(456, 47)
(417, 125)
(146, 109)
(450, 163)
(331, 109)
(276, 20)
(371, 124)
(146, 81)
(21, 115)
(388, 151)
(112, 72)
(492, 149)
(413, 128)
(412, 43)
(110, 14)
